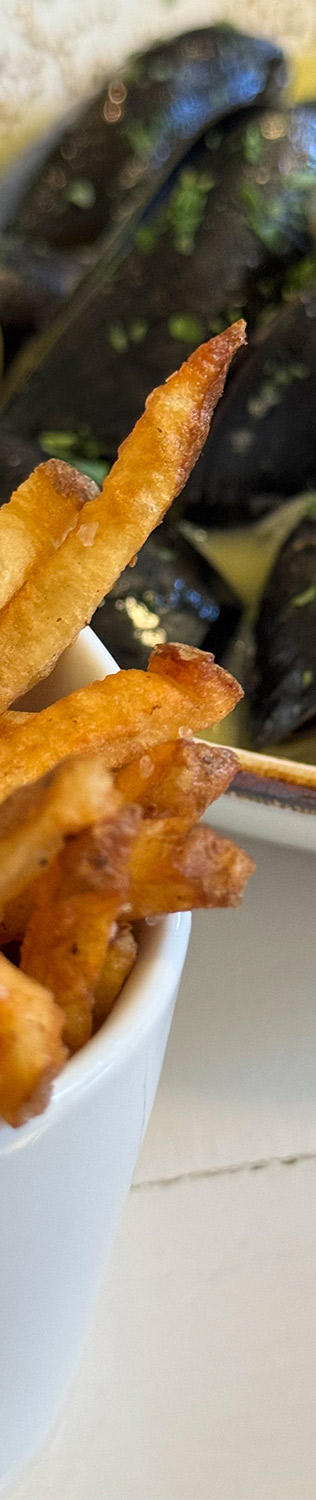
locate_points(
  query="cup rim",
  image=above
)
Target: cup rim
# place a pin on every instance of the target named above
(145, 994)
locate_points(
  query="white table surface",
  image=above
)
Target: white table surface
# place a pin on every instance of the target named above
(198, 1381)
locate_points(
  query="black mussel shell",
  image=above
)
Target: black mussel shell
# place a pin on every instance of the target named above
(262, 444)
(32, 288)
(170, 594)
(124, 142)
(204, 254)
(106, 165)
(284, 691)
(17, 459)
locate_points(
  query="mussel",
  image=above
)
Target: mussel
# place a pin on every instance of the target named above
(169, 594)
(120, 146)
(284, 686)
(262, 446)
(32, 288)
(78, 192)
(18, 456)
(217, 242)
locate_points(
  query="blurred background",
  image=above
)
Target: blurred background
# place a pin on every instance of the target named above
(52, 53)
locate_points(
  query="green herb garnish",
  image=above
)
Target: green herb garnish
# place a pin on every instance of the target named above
(146, 238)
(137, 330)
(186, 328)
(308, 597)
(117, 337)
(80, 192)
(186, 207)
(252, 143)
(80, 449)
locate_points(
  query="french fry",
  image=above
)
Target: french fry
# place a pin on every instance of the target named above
(120, 717)
(38, 517)
(31, 1049)
(63, 589)
(119, 960)
(188, 669)
(84, 853)
(181, 777)
(16, 915)
(75, 905)
(12, 720)
(172, 870)
(36, 819)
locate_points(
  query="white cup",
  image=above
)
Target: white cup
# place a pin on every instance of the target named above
(65, 1175)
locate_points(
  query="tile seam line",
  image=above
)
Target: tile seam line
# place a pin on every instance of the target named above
(232, 1170)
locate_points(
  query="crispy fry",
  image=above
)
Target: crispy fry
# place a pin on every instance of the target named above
(64, 589)
(13, 719)
(189, 670)
(75, 905)
(181, 777)
(38, 517)
(83, 854)
(36, 819)
(31, 1050)
(119, 961)
(175, 871)
(120, 717)
(16, 915)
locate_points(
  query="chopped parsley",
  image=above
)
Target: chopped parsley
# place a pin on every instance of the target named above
(80, 449)
(252, 143)
(80, 192)
(307, 597)
(137, 330)
(186, 207)
(146, 238)
(117, 337)
(186, 328)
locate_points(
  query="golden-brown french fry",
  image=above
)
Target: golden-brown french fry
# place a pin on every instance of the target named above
(172, 871)
(31, 1050)
(38, 517)
(75, 905)
(16, 915)
(12, 720)
(188, 669)
(118, 962)
(181, 777)
(63, 591)
(125, 714)
(35, 820)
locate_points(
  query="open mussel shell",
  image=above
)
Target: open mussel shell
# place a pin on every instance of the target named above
(124, 142)
(169, 594)
(284, 686)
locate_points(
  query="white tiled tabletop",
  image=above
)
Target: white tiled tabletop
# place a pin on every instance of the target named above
(198, 1381)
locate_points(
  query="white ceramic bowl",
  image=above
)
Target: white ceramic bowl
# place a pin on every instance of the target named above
(65, 1175)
